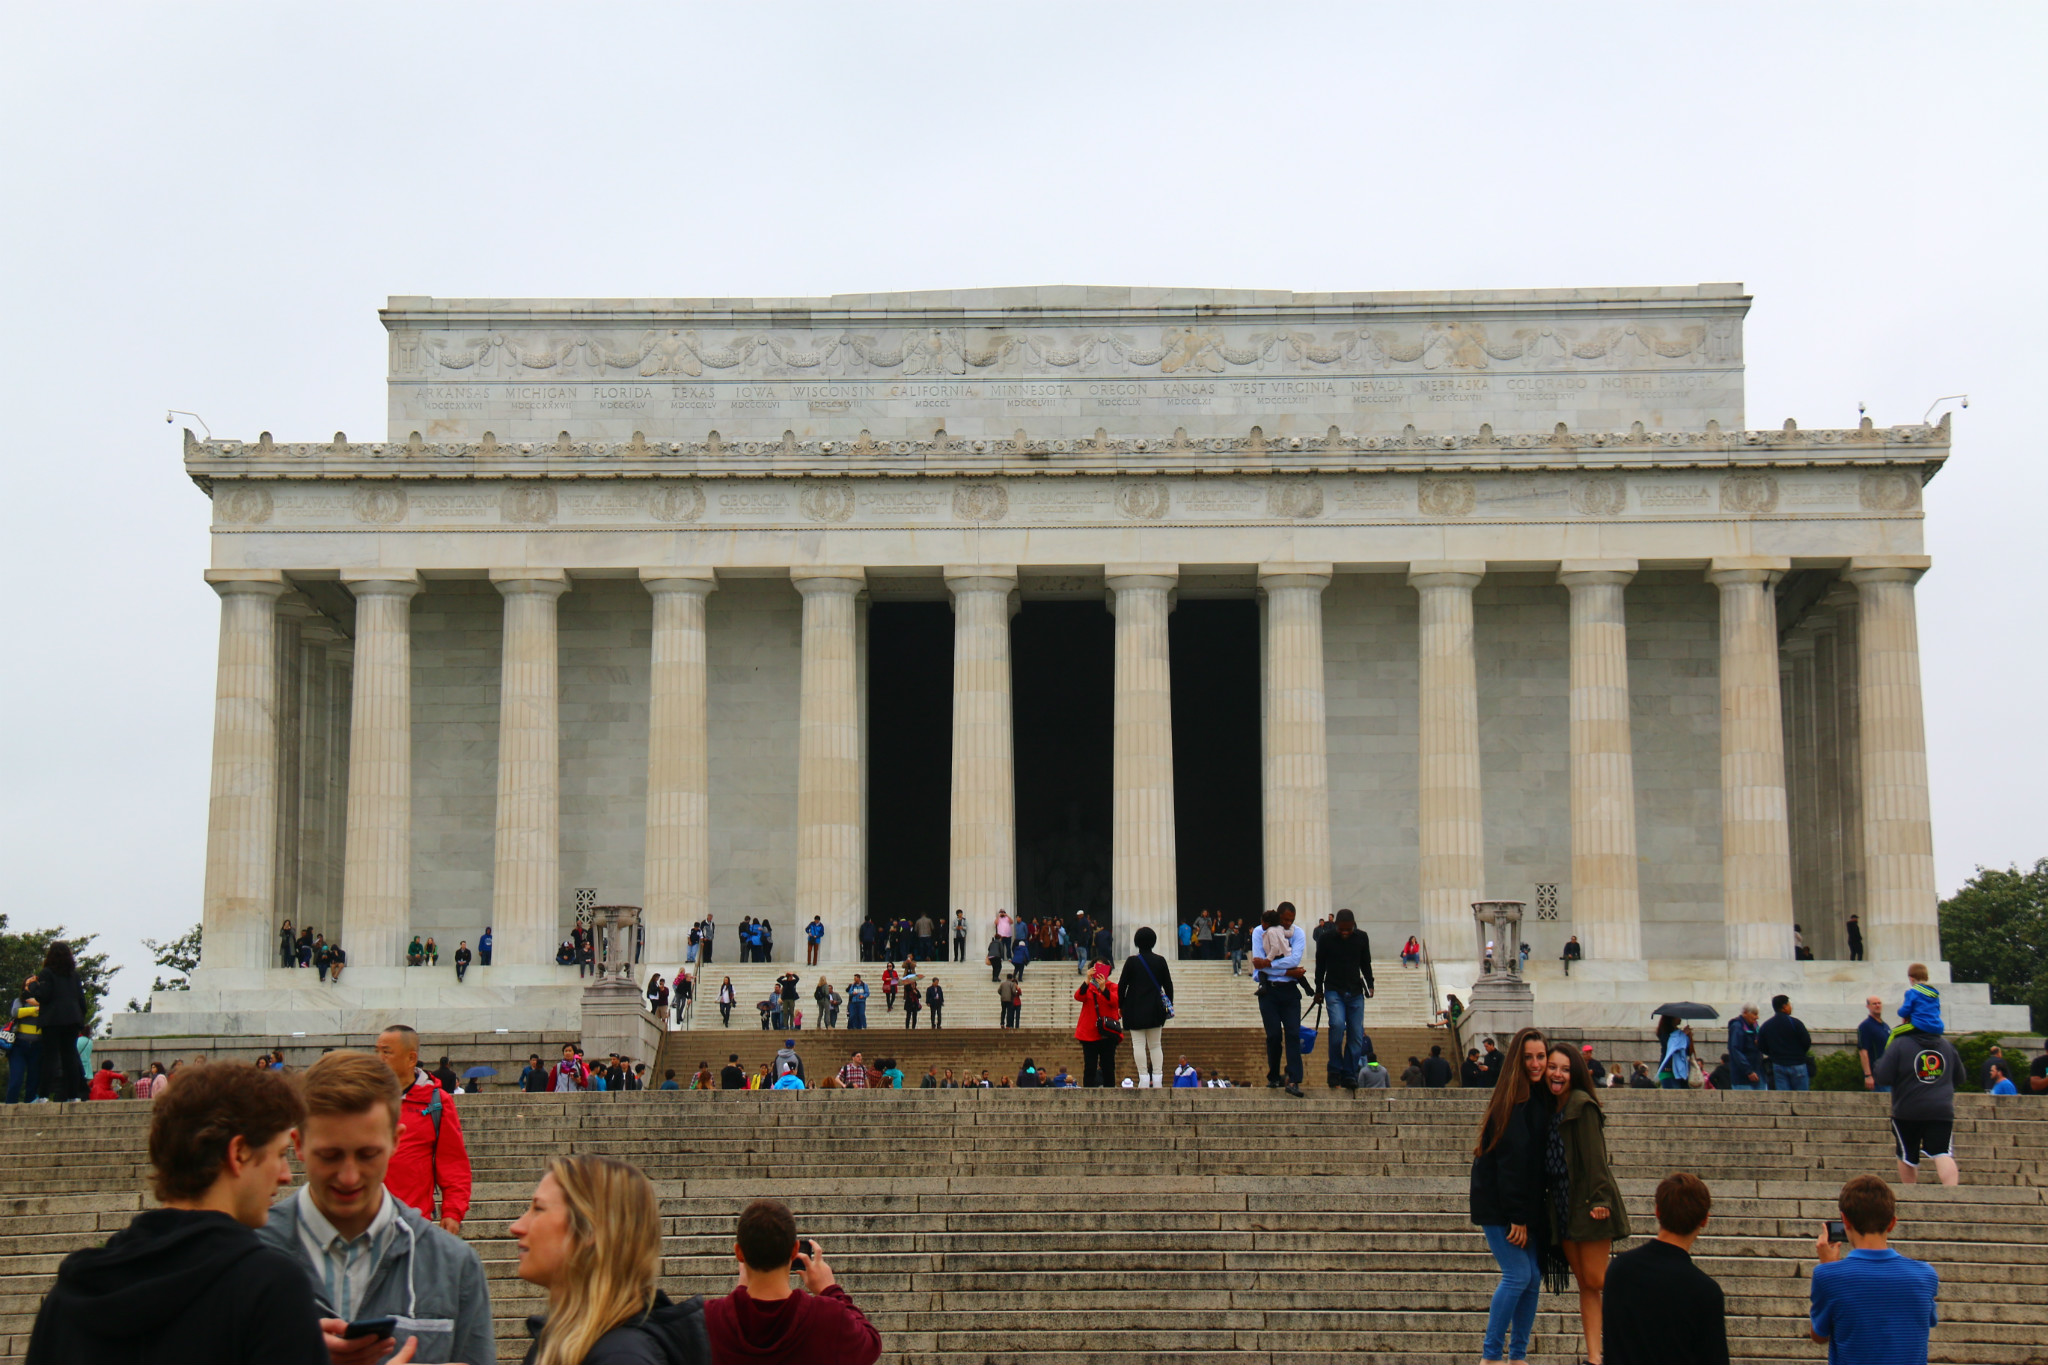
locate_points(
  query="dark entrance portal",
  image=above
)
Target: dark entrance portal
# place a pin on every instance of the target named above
(910, 758)
(1063, 681)
(1219, 836)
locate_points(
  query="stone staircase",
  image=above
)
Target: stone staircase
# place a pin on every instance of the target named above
(1163, 1228)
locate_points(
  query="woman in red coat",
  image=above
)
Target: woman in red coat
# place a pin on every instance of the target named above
(1098, 1044)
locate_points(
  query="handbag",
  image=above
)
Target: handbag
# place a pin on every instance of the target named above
(1309, 1031)
(1110, 1026)
(1155, 984)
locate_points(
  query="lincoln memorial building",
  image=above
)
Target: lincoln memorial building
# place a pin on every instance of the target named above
(1133, 602)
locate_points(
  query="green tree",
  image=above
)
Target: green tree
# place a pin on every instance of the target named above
(1995, 930)
(180, 956)
(21, 956)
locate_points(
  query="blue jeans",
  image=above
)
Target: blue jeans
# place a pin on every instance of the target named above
(1513, 1311)
(1745, 1085)
(1670, 1083)
(1280, 1012)
(1347, 1027)
(25, 1069)
(1790, 1078)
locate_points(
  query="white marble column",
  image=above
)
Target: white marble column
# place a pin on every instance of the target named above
(1143, 877)
(1828, 935)
(293, 612)
(983, 877)
(526, 871)
(1898, 830)
(1842, 602)
(1802, 782)
(829, 835)
(239, 927)
(316, 748)
(1451, 821)
(1296, 760)
(677, 883)
(341, 667)
(376, 886)
(1606, 906)
(1756, 858)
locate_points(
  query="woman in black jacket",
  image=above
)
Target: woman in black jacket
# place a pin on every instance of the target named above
(1507, 1193)
(1146, 991)
(62, 1017)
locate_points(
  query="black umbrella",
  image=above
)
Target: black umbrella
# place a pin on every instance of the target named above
(1686, 1009)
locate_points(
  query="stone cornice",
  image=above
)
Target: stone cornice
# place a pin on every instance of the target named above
(943, 456)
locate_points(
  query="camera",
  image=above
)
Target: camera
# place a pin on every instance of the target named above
(1837, 1232)
(806, 1249)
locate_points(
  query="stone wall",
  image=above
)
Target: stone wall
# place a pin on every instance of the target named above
(1371, 681)
(606, 627)
(1675, 703)
(457, 648)
(753, 639)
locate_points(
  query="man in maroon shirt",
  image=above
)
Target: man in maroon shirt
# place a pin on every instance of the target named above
(764, 1321)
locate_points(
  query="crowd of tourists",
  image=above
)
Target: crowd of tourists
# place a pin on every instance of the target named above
(364, 1262)
(1544, 1195)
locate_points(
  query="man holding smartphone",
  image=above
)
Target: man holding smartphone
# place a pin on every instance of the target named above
(767, 1321)
(1869, 1302)
(380, 1272)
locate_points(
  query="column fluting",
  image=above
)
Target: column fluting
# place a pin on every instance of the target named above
(293, 612)
(1450, 816)
(1606, 902)
(677, 884)
(526, 873)
(241, 817)
(829, 786)
(1898, 830)
(376, 879)
(1143, 876)
(1756, 860)
(983, 875)
(1796, 681)
(1297, 760)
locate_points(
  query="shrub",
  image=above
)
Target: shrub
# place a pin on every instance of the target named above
(1839, 1071)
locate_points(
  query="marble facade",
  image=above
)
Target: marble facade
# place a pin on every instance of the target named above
(1542, 620)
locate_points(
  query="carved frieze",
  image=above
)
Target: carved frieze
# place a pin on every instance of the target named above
(1452, 497)
(829, 500)
(1749, 493)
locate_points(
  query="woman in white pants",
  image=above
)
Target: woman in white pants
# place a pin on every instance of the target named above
(1145, 991)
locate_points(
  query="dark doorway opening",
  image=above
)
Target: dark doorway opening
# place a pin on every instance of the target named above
(1219, 834)
(910, 758)
(1063, 694)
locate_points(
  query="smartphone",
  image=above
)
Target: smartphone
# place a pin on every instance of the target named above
(370, 1327)
(805, 1249)
(1836, 1232)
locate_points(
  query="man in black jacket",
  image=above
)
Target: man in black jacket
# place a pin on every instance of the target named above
(1436, 1072)
(190, 1281)
(1785, 1044)
(1661, 1309)
(1344, 983)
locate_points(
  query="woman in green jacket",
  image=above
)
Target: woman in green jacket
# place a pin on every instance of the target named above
(1586, 1211)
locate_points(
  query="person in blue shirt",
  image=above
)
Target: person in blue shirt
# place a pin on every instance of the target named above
(483, 948)
(857, 1003)
(1871, 1306)
(1873, 1036)
(1187, 934)
(1921, 1007)
(815, 933)
(1745, 1054)
(2001, 1083)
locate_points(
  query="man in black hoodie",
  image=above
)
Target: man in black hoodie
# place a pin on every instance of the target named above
(190, 1281)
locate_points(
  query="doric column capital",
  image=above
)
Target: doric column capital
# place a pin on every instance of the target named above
(530, 582)
(1446, 573)
(1597, 573)
(296, 606)
(1276, 575)
(1799, 640)
(1887, 569)
(318, 630)
(981, 578)
(1119, 577)
(702, 582)
(380, 582)
(827, 579)
(248, 582)
(1747, 569)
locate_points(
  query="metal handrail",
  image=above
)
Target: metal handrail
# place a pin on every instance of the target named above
(1429, 967)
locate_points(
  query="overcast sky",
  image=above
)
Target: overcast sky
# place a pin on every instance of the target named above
(205, 206)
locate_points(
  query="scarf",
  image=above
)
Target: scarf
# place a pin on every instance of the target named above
(1557, 1180)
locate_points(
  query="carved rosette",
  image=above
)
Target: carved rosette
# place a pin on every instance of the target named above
(1452, 497)
(1888, 490)
(246, 507)
(676, 502)
(381, 505)
(1297, 498)
(1147, 501)
(981, 501)
(1749, 493)
(1600, 495)
(528, 504)
(829, 500)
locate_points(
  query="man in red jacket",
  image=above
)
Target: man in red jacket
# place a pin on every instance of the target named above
(431, 1155)
(765, 1322)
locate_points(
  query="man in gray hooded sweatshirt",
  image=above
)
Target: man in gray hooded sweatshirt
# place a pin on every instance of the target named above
(367, 1253)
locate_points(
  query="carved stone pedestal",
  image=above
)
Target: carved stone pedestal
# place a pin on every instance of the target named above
(1501, 1003)
(615, 1019)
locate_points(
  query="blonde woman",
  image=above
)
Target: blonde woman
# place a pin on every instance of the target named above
(591, 1237)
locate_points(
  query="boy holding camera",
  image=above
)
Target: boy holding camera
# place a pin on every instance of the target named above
(766, 1319)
